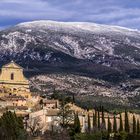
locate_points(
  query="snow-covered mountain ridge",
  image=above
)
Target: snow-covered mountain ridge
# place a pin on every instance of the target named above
(90, 49)
(77, 26)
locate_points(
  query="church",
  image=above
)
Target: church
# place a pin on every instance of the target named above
(12, 77)
(15, 94)
(13, 80)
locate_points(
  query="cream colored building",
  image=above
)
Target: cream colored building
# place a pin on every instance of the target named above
(12, 78)
(12, 100)
(50, 104)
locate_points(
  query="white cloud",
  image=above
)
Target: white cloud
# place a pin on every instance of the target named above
(31, 9)
(103, 11)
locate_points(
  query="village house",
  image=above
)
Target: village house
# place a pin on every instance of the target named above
(12, 100)
(49, 117)
(48, 104)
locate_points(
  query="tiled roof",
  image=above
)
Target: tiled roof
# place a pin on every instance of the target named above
(12, 64)
(12, 98)
(52, 112)
(17, 107)
(50, 101)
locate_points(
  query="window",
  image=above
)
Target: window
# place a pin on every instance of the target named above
(14, 89)
(12, 76)
(26, 96)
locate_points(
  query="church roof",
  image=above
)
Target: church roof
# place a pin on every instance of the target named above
(12, 64)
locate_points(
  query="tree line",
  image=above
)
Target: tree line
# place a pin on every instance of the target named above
(111, 130)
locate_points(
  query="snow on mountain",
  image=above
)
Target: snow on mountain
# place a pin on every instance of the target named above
(99, 28)
(80, 46)
(12, 37)
(105, 37)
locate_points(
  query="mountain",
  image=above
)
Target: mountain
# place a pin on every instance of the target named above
(103, 52)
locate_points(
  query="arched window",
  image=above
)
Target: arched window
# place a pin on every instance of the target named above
(12, 76)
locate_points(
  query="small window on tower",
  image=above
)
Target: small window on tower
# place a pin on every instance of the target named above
(12, 76)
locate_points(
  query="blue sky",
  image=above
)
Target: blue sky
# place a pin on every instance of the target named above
(114, 12)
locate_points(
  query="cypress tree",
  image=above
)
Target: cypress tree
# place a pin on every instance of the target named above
(99, 120)
(109, 125)
(89, 124)
(138, 127)
(127, 128)
(121, 123)
(114, 125)
(77, 127)
(103, 119)
(95, 120)
(12, 127)
(134, 125)
(73, 98)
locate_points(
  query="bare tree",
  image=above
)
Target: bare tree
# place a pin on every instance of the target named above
(34, 126)
(66, 116)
